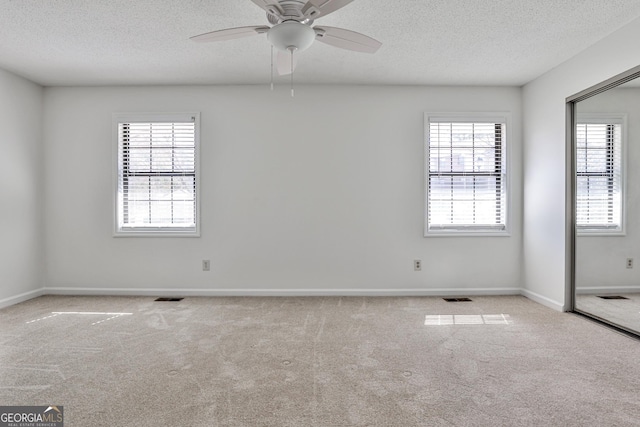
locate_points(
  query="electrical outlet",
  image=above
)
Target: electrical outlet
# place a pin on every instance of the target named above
(629, 262)
(206, 265)
(417, 264)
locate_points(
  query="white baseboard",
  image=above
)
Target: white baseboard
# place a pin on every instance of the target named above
(548, 302)
(607, 290)
(439, 292)
(280, 292)
(21, 298)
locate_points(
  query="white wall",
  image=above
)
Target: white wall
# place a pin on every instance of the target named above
(323, 192)
(601, 260)
(20, 189)
(544, 157)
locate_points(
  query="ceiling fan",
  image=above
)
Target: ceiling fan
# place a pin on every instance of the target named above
(291, 31)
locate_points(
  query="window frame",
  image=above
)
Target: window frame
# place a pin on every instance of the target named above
(123, 118)
(605, 118)
(477, 117)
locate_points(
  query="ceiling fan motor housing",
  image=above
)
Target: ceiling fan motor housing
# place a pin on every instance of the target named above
(302, 11)
(291, 35)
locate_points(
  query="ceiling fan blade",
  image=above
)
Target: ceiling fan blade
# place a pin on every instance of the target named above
(346, 39)
(283, 63)
(270, 6)
(314, 9)
(230, 34)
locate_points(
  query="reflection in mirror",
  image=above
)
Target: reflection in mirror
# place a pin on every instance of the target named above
(607, 206)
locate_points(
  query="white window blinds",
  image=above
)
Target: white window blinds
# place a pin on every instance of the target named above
(466, 179)
(157, 178)
(599, 176)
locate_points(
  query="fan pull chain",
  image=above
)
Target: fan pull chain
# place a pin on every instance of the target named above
(272, 68)
(292, 49)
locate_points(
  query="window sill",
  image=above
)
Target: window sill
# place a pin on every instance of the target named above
(467, 233)
(156, 233)
(601, 233)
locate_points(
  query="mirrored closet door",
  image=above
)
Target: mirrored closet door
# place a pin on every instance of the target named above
(604, 171)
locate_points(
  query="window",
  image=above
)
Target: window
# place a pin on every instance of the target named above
(599, 174)
(157, 184)
(466, 175)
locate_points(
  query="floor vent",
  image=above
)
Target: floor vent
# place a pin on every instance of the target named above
(457, 299)
(612, 297)
(168, 299)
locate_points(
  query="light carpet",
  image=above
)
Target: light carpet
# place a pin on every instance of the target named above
(316, 361)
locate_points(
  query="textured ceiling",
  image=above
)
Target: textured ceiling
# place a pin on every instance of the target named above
(433, 42)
